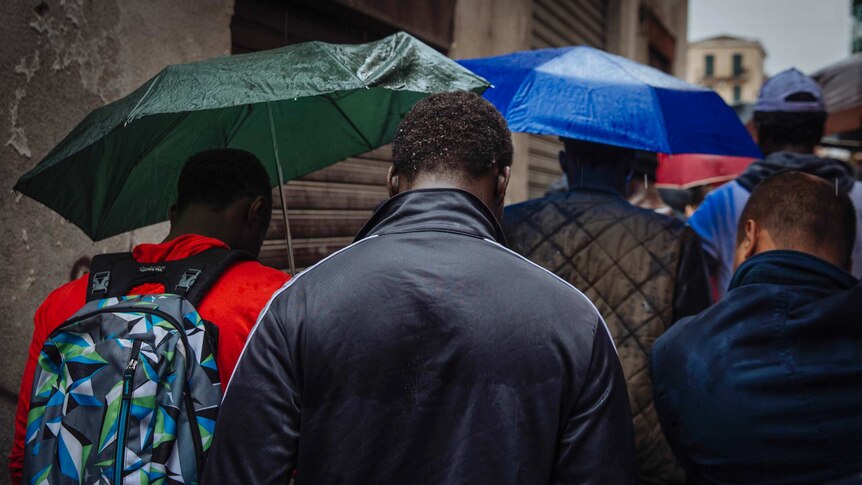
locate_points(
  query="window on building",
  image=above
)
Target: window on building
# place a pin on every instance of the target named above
(737, 94)
(709, 61)
(662, 43)
(737, 64)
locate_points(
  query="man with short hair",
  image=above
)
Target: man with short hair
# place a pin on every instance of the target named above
(643, 271)
(766, 385)
(426, 352)
(789, 117)
(223, 201)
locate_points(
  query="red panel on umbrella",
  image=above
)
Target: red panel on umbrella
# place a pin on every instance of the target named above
(691, 169)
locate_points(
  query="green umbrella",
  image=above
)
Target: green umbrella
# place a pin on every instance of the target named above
(299, 108)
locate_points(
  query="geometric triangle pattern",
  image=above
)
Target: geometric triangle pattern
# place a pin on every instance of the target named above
(126, 391)
(624, 259)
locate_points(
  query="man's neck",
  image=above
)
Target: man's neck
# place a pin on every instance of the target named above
(601, 181)
(205, 223)
(800, 149)
(482, 189)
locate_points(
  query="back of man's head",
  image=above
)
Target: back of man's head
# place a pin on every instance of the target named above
(218, 178)
(224, 194)
(597, 164)
(600, 154)
(789, 113)
(800, 212)
(457, 133)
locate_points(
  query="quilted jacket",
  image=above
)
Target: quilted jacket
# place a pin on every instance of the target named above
(642, 270)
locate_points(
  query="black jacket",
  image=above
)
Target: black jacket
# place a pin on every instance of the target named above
(428, 353)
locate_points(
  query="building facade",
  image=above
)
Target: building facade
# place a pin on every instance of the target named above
(62, 59)
(731, 66)
(857, 26)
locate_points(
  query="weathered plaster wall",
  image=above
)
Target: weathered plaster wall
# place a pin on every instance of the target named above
(59, 59)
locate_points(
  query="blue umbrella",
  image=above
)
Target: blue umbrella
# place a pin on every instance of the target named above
(588, 94)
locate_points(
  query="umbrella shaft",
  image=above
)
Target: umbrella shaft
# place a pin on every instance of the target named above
(287, 238)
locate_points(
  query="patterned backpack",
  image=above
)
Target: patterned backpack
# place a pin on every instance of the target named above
(127, 389)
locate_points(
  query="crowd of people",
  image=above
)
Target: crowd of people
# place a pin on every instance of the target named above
(574, 338)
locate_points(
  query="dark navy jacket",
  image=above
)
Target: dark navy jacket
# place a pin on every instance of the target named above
(766, 385)
(426, 353)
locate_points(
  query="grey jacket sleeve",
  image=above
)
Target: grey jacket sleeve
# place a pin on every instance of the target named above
(257, 430)
(597, 443)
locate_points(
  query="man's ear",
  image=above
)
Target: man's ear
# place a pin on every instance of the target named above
(503, 184)
(747, 246)
(393, 181)
(257, 209)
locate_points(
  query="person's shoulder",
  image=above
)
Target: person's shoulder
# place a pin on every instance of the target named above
(516, 212)
(718, 205)
(697, 333)
(62, 303)
(255, 270)
(250, 275)
(653, 218)
(533, 277)
(321, 273)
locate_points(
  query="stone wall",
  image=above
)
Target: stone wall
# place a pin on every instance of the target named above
(59, 60)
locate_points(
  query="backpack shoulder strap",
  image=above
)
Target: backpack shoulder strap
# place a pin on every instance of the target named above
(201, 271)
(115, 275)
(106, 269)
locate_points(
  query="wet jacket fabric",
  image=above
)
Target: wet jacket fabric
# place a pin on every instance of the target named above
(426, 352)
(766, 385)
(716, 219)
(233, 303)
(642, 270)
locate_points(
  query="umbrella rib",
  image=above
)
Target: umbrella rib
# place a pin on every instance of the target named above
(350, 121)
(322, 47)
(129, 117)
(652, 95)
(110, 205)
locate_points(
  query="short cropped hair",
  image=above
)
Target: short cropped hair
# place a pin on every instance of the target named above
(451, 132)
(592, 153)
(803, 213)
(784, 128)
(218, 178)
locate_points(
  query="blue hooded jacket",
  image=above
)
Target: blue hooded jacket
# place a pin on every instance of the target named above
(766, 385)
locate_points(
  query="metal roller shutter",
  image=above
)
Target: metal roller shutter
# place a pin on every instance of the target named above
(558, 23)
(327, 208)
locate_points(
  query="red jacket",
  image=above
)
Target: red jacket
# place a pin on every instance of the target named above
(233, 304)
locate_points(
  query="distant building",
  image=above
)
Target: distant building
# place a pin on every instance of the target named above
(732, 66)
(857, 26)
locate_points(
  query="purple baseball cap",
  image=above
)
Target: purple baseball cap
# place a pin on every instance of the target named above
(790, 91)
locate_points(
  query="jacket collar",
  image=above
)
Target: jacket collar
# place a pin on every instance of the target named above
(442, 210)
(826, 168)
(791, 268)
(178, 248)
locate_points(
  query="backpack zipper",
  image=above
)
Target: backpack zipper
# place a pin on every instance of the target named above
(189, 405)
(125, 411)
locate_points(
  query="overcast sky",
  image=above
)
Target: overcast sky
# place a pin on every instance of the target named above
(806, 34)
